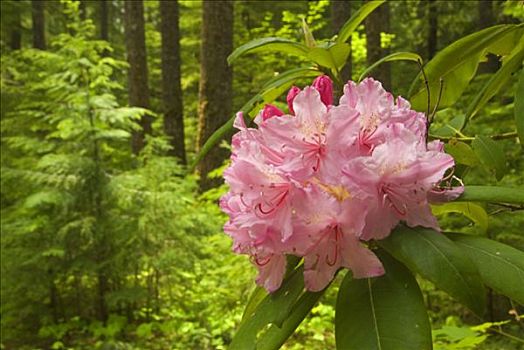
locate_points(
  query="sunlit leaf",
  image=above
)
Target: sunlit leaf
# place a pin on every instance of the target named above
(501, 267)
(461, 152)
(386, 313)
(349, 27)
(397, 56)
(439, 260)
(269, 44)
(473, 211)
(333, 57)
(456, 65)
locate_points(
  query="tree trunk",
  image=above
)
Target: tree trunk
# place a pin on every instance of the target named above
(340, 13)
(487, 19)
(82, 8)
(138, 74)
(104, 20)
(38, 24)
(215, 92)
(376, 23)
(171, 88)
(16, 32)
(432, 28)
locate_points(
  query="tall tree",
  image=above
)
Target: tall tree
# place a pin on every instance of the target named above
(215, 91)
(378, 22)
(16, 32)
(138, 74)
(171, 88)
(38, 15)
(340, 12)
(432, 28)
(104, 20)
(487, 19)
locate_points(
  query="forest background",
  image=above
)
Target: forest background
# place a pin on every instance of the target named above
(107, 240)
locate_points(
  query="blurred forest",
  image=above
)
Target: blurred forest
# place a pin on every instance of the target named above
(107, 240)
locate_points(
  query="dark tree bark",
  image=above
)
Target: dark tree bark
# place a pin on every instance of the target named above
(138, 74)
(38, 7)
(432, 28)
(375, 23)
(215, 92)
(83, 9)
(171, 88)
(15, 42)
(104, 20)
(340, 13)
(487, 19)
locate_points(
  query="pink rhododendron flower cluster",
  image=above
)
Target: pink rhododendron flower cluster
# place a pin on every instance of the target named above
(324, 179)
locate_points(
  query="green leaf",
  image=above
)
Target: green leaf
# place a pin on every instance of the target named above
(497, 81)
(397, 56)
(349, 27)
(275, 308)
(333, 57)
(255, 298)
(473, 211)
(501, 267)
(439, 260)
(519, 107)
(452, 128)
(491, 155)
(386, 313)
(277, 85)
(275, 336)
(494, 194)
(308, 36)
(461, 152)
(269, 44)
(456, 65)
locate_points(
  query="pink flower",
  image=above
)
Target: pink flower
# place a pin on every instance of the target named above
(324, 86)
(271, 111)
(293, 92)
(320, 182)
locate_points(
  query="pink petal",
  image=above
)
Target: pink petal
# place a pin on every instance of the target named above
(324, 86)
(293, 92)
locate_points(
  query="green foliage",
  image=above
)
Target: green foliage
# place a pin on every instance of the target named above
(366, 318)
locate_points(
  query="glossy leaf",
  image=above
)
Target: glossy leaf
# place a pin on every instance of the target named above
(461, 152)
(349, 27)
(491, 155)
(519, 107)
(276, 336)
(500, 266)
(473, 211)
(274, 308)
(333, 57)
(397, 56)
(439, 260)
(497, 81)
(386, 313)
(276, 86)
(493, 194)
(456, 65)
(269, 44)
